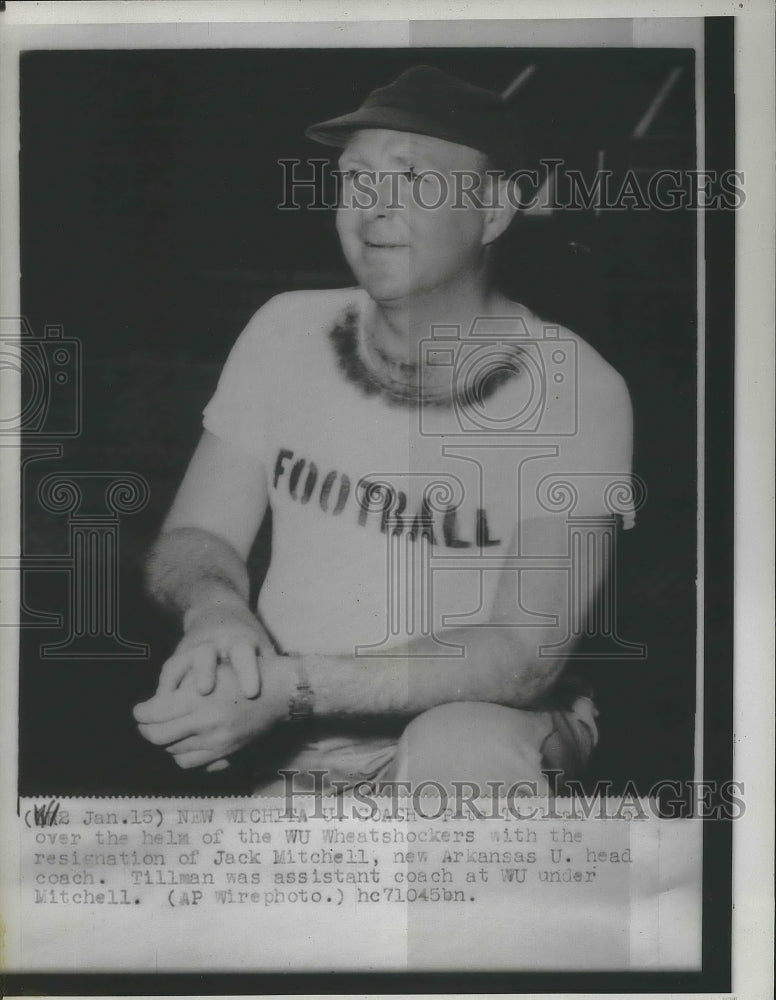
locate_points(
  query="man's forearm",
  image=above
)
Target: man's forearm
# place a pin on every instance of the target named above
(190, 568)
(492, 667)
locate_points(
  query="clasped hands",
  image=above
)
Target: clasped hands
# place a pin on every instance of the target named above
(224, 686)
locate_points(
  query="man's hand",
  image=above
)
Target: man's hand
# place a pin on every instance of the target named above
(224, 632)
(201, 729)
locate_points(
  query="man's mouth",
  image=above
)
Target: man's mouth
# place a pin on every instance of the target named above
(384, 246)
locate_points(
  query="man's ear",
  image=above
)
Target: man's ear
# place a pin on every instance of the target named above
(501, 207)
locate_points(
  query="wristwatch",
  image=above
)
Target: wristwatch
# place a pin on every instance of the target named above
(301, 704)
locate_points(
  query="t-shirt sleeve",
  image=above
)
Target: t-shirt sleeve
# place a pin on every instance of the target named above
(590, 474)
(240, 410)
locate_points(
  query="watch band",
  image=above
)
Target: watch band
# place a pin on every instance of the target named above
(301, 704)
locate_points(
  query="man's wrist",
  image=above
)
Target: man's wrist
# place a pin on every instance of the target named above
(279, 684)
(214, 594)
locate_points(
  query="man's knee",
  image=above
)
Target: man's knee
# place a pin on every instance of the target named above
(462, 725)
(474, 742)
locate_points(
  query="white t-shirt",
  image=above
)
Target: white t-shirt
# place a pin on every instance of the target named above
(454, 488)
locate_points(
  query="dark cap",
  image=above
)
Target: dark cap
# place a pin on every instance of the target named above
(426, 101)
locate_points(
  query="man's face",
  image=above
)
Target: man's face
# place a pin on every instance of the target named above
(397, 237)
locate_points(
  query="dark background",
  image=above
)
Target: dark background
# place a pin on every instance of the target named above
(150, 233)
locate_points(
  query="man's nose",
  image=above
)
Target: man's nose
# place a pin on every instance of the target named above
(387, 194)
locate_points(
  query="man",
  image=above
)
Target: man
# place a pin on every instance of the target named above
(411, 436)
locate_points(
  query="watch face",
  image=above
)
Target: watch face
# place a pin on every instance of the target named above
(301, 703)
